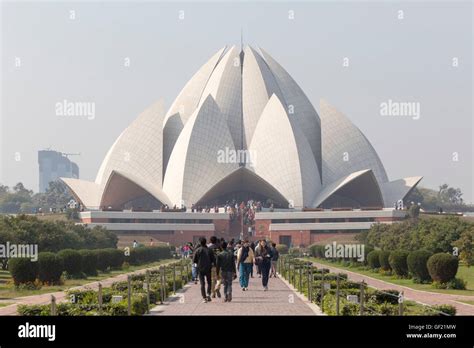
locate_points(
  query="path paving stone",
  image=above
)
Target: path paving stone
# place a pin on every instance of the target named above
(278, 300)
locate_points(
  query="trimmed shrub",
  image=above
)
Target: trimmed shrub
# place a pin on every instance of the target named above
(442, 267)
(139, 304)
(367, 250)
(373, 259)
(387, 309)
(50, 268)
(386, 296)
(398, 262)
(455, 284)
(89, 262)
(416, 262)
(117, 309)
(295, 251)
(383, 260)
(83, 296)
(23, 270)
(317, 250)
(33, 310)
(103, 259)
(282, 248)
(446, 309)
(110, 259)
(141, 255)
(72, 262)
(116, 258)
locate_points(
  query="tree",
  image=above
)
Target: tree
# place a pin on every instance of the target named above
(12, 200)
(57, 195)
(446, 197)
(19, 199)
(450, 195)
(3, 190)
(433, 234)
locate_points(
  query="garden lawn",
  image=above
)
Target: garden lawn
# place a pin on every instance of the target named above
(464, 272)
(8, 291)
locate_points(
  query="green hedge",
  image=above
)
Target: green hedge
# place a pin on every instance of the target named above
(118, 258)
(72, 262)
(398, 262)
(416, 262)
(446, 309)
(89, 262)
(23, 270)
(385, 296)
(50, 268)
(442, 267)
(317, 250)
(141, 255)
(103, 259)
(282, 248)
(295, 251)
(79, 263)
(373, 259)
(383, 260)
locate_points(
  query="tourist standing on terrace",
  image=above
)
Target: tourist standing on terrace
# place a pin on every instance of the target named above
(245, 259)
(204, 260)
(225, 267)
(263, 257)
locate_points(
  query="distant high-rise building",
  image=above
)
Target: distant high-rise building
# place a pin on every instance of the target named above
(53, 165)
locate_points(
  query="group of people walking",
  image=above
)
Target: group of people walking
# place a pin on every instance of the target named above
(217, 264)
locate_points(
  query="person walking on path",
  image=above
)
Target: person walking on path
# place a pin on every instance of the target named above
(263, 257)
(257, 264)
(225, 267)
(275, 257)
(204, 260)
(215, 247)
(252, 246)
(245, 259)
(194, 271)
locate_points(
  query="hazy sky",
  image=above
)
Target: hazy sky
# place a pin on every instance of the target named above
(405, 60)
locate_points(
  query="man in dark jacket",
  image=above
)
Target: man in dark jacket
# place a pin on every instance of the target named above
(275, 257)
(204, 260)
(225, 266)
(263, 257)
(215, 247)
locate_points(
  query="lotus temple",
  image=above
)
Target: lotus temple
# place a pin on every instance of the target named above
(241, 153)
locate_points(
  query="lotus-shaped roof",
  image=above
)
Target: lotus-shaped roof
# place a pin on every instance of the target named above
(241, 125)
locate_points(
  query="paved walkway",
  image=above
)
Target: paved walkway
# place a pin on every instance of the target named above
(61, 295)
(421, 296)
(280, 299)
